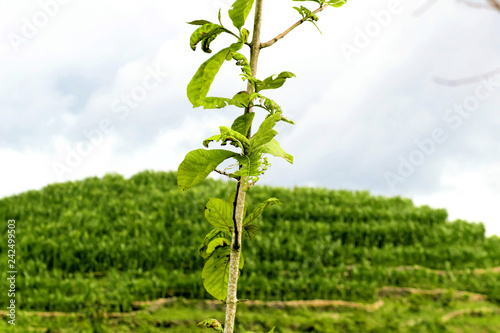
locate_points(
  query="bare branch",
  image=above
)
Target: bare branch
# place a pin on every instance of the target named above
(222, 173)
(492, 4)
(287, 31)
(495, 4)
(468, 80)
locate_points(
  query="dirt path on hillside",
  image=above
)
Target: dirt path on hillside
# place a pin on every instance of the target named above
(315, 304)
(437, 271)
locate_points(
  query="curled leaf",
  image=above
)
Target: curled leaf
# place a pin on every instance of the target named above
(214, 234)
(205, 31)
(212, 323)
(216, 243)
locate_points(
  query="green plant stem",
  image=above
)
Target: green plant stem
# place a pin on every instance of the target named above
(232, 288)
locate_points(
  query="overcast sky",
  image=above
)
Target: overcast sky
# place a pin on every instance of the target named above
(107, 80)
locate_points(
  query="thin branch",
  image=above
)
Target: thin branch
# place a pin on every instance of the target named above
(468, 80)
(478, 5)
(495, 4)
(223, 173)
(473, 4)
(287, 31)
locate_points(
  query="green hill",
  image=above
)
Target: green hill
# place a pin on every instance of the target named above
(113, 241)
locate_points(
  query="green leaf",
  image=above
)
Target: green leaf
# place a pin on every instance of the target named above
(305, 12)
(307, 15)
(199, 85)
(250, 231)
(266, 132)
(244, 35)
(198, 164)
(287, 120)
(217, 137)
(208, 30)
(242, 261)
(239, 12)
(226, 134)
(216, 102)
(209, 38)
(216, 243)
(232, 197)
(273, 147)
(214, 234)
(212, 323)
(333, 3)
(215, 273)
(260, 209)
(239, 139)
(219, 213)
(266, 103)
(242, 123)
(242, 61)
(199, 22)
(251, 165)
(336, 3)
(242, 99)
(274, 81)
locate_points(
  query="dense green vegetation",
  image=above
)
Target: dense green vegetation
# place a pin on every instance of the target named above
(445, 313)
(114, 241)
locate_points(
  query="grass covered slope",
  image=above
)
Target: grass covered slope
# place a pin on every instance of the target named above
(415, 313)
(113, 241)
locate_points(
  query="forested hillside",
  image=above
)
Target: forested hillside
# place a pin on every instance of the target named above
(113, 241)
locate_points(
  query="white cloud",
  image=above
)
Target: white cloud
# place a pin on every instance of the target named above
(353, 119)
(471, 195)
